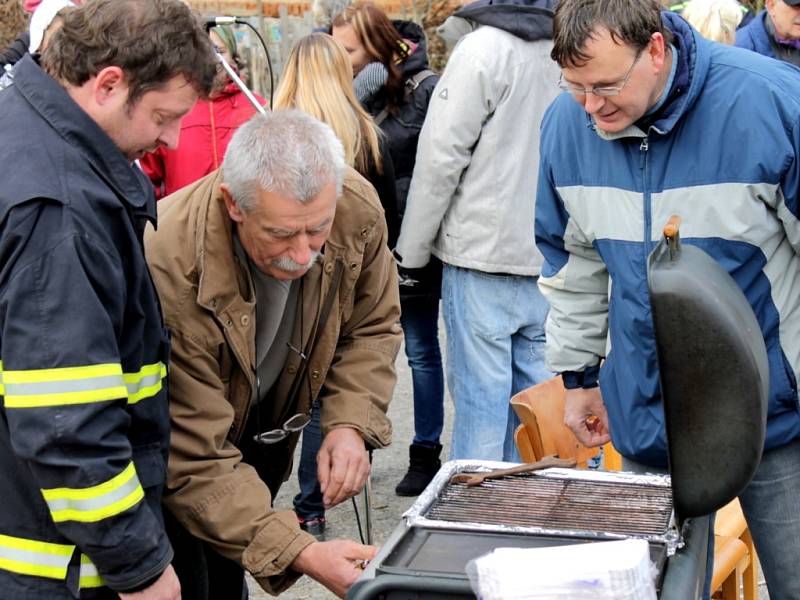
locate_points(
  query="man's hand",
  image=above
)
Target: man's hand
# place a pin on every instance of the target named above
(585, 414)
(166, 587)
(335, 564)
(342, 465)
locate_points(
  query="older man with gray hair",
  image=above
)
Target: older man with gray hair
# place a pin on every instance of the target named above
(279, 289)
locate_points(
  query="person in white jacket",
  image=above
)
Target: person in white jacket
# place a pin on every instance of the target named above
(471, 204)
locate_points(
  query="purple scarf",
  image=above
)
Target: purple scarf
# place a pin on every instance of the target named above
(785, 42)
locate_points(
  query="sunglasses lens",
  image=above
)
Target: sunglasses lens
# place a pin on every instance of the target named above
(297, 422)
(271, 437)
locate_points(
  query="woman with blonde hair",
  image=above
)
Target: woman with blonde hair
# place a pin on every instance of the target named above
(318, 79)
(716, 20)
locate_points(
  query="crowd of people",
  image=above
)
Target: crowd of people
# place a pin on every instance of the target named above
(188, 286)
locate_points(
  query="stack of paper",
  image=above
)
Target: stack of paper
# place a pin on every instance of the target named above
(595, 571)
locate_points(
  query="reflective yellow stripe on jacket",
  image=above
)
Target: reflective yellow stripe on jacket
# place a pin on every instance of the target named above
(89, 577)
(44, 559)
(79, 385)
(98, 502)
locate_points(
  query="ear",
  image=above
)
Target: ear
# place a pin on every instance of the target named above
(770, 6)
(234, 212)
(109, 85)
(657, 51)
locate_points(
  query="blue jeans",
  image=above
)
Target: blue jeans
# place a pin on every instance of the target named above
(495, 348)
(420, 321)
(771, 505)
(308, 503)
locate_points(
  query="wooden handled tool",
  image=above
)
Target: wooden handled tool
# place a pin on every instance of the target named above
(473, 479)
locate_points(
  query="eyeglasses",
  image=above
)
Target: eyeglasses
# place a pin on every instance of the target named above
(603, 90)
(293, 425)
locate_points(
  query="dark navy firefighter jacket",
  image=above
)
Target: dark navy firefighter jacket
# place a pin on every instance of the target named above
(84, 422)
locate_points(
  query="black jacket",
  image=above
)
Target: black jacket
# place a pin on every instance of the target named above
(84, 432)
(384, 183)
(402, 132)
(16, 50)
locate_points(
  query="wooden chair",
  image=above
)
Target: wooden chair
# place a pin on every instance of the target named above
(542, 432)
(730, 523)
(541, 411)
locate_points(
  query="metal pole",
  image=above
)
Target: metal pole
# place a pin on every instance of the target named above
(367, 494)
(237, 80)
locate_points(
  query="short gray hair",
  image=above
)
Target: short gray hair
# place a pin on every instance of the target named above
(286, 152)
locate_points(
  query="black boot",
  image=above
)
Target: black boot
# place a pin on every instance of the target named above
(423, 464)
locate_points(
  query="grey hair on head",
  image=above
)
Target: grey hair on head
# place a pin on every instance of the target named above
(286, 152)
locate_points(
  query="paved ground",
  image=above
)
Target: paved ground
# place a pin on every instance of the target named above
(389, 466)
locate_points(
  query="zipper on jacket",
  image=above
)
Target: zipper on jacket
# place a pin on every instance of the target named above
(648, 209)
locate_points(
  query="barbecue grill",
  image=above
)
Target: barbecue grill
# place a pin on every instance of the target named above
(714, 383)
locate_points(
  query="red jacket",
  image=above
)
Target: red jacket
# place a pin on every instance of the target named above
(205, 133)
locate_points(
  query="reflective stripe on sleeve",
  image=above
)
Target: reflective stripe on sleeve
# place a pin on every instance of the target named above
(29, 557)
(66, 385)
(89, 577)
(98, 502)
(79, 385)
(145, 383)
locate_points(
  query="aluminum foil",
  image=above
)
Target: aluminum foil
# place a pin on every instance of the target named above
(415, 515)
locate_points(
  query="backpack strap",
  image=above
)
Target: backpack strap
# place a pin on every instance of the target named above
(412, 83)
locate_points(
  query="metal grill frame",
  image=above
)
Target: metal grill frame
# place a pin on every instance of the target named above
(416, 515)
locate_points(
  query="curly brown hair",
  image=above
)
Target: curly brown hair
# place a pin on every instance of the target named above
(152, 41)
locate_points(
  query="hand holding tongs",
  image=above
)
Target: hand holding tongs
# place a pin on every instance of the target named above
(473, 479)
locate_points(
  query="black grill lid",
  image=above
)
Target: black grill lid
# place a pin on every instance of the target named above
(714, 375)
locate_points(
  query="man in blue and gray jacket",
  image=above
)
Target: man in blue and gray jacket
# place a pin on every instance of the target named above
(657, 122)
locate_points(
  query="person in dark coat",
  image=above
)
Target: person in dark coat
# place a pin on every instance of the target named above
(775, 32)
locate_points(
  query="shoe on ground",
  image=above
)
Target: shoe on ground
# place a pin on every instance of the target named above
(315, 527)
(424, 463)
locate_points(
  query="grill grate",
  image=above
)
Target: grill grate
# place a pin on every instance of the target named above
(559, 504)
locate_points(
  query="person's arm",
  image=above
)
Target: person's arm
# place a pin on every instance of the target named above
(361, 378)
(575, 282)
(211, 492)
(788, 210)
(65, 396)
(463, 99)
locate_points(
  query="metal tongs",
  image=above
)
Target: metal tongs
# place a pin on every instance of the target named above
(473, 479)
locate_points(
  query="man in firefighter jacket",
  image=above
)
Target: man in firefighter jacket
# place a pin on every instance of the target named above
(84, 427)
(279, 289)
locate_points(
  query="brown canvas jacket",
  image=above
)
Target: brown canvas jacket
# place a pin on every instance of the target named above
(209, 307)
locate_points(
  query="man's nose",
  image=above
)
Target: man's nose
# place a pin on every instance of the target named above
(593, 103)
(170, 135)
(300, 251)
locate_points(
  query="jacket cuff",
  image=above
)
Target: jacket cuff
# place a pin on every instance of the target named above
(586, 379)
(270, 555)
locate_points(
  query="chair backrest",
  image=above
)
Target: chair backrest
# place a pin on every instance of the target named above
(541, 410)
